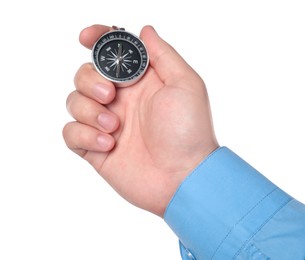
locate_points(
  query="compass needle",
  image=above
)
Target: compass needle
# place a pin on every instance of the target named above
(119, 59)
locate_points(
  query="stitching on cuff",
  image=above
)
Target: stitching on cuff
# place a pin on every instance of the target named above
(258, 229)
(255, 253)
(263, 224)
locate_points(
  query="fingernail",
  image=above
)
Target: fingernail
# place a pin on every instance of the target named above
(101, 91)
(104, 142)
(107, 121)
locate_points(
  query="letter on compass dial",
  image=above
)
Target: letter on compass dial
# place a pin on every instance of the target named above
(119, 60)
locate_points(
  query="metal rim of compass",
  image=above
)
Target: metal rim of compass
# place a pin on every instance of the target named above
(123, 82)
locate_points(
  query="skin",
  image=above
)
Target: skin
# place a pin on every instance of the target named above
(143, 139)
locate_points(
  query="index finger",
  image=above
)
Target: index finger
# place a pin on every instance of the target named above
(90, 35)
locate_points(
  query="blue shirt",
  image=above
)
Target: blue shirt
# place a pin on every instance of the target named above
(225, 209)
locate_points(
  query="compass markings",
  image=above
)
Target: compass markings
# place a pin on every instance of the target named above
(114, 60)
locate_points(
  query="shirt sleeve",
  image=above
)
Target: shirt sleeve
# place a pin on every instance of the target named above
(225, 209)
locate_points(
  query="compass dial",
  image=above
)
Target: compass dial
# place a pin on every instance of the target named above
(120, 57)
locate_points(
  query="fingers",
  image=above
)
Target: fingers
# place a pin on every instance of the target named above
(88, 82)
(94, 125)
(90, 112)
(82, 138)
(168, 64)
(94, 122)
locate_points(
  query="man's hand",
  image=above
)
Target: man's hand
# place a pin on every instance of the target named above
(143, 139)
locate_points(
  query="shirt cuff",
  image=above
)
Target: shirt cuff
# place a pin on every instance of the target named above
(221, 205)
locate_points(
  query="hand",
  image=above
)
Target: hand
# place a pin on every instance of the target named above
(143, 139)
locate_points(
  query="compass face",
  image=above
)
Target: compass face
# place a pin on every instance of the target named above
(120, 57)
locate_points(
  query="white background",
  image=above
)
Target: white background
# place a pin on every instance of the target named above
(52, 204)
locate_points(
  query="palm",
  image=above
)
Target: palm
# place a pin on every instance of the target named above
(161, 135)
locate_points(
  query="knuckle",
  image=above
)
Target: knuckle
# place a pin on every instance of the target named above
(66, 131)
(82, 75)
(70, 102)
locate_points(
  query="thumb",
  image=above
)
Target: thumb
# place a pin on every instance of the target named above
(167, 63)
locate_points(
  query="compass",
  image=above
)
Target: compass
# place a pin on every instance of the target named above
(120, 57)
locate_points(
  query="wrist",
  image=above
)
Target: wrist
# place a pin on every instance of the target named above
(173, 182)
